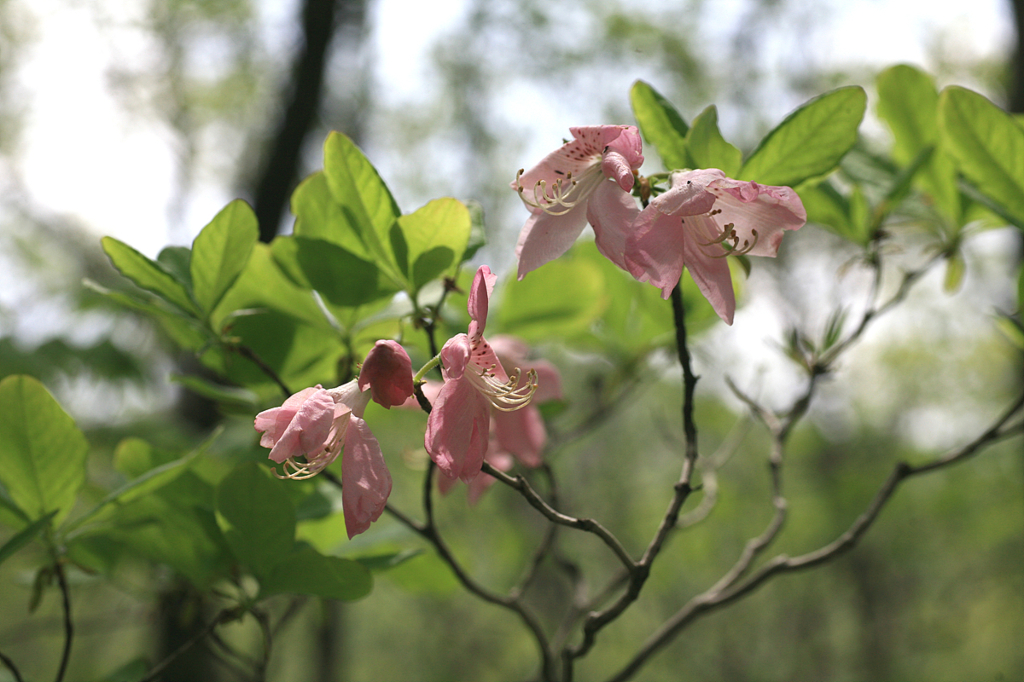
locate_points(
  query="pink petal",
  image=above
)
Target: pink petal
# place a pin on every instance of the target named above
(711, 276)
(549, 381)
(387, 371)
(575, 157)
(457, 428)
(365, 480)
(455, 355)
(611, 212)
(546, 237)
(479, 485)
(751, 207)
(522, 434)
(688, 194)
(308, 430)
(655, 249)
(479, 295)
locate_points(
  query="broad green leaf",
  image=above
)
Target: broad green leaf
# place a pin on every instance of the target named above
(176, 526)
(425, 573)
(177, 260)
(562, 299)
(338, 275)
(10, 513)
(477, 231)
(229, 396)
(661, 125)
(827, 207)
(300, 354)
(148, 274)
(262, 285)
(908, 102)
(363, 196)
(220, 252)
(810, 141)
(988, 145)
(319, 216)
(635, 318)
(435, 235)
(383, 561)
(306, 571)
(708, 148)
(42, 452)
(257, 519)
(153, 471)
(25, 536)
(186, 331)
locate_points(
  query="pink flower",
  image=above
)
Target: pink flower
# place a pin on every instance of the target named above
(703, 218)
(522, 432)
(459, 423)
(571, 186)
(480, 484)
(319, 424)
(387, 370)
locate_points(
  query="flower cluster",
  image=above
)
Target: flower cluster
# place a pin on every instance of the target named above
(318, 424)
(458, 429)
(481, 412)
(702, 218)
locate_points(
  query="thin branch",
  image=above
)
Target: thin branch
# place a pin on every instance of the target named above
(717, 597)
(13, 668)
(587, 525)
(253, 356)
(69, 627)
(640, 570)
(224, 616)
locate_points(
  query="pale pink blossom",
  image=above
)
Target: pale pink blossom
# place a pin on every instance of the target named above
(522, 432)
(700, 220)
(459, 423)
(320, 424)
(387, 371)
(588, 179)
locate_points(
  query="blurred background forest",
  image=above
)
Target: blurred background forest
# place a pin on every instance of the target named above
(142, 119)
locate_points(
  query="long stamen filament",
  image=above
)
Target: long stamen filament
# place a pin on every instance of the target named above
(507, 396)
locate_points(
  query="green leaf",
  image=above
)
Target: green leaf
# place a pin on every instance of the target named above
(477, 230)
(177, 260)
(955, 270)
(148, 274)
(262, 284)
(150, 479)
(220, 252)
(42, 452)
(988, 145)
(306, 571)
(436, 236)
(562, 299)
(257, 519)
(708, 148)
(338, 275)
(363, 196)
(186, 331)
(810, 141)
(661, 125)
(319, 216)
(908, 102)
(230, 396)
(26, 536)
(825, 206)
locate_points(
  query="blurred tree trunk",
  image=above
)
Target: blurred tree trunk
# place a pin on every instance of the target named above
(281, 164)
(1016, 89)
